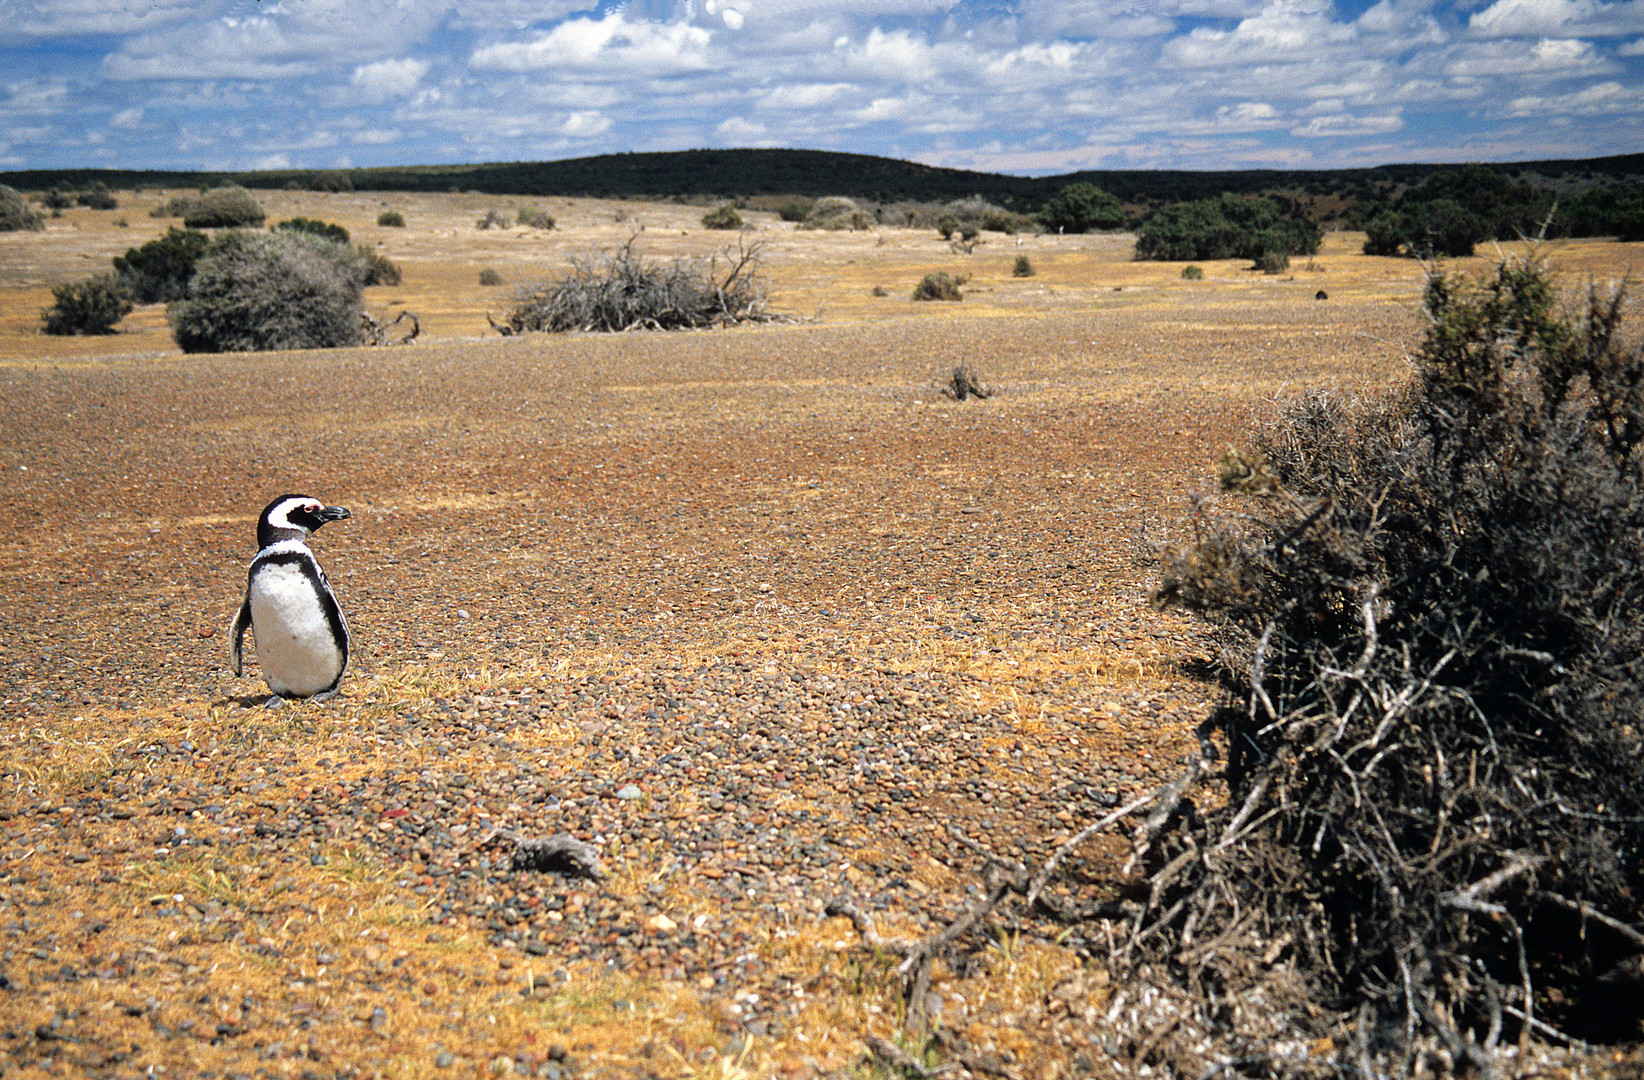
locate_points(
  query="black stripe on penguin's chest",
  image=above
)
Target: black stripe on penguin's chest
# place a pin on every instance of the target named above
(304, 561)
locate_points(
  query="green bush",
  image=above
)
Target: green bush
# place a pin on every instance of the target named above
(1441, 228)
(938, 285)
(1427, 602)
(323, 229)
(725, 217)
(536, 219)
(391, 219)
(1193, 273)
(86, 307)
(489, 277)
(1082, 207)
(1229, 227)
(494, 219)
(159, 271)
(15, 213)
(271, 290)
(223, 208)
(57, 200)
(1023, 267)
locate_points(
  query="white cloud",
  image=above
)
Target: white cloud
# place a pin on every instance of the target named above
(1343, 125)
(1286, 31)
(73, 18)
(1558, 18)
(387, 80)
(1632, 48)
(804, 96)
(1562, 58)
(739, 129)
(611, 43)
(1602, 99)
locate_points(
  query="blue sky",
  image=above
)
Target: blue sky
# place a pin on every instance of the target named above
(1017, 86)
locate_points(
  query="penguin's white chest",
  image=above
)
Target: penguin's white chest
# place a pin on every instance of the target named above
(296, 646)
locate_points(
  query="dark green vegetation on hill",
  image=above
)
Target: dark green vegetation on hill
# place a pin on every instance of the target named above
(750, 174)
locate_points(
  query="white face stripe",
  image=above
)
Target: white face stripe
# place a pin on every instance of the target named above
(280, 516)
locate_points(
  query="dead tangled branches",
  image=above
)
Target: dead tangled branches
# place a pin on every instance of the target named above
(623, 292)
(965, 383)
(377, 333)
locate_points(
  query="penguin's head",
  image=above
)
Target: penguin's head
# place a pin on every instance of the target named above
(294, 517)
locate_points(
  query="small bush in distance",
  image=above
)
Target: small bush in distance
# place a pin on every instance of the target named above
(57, 200)
(536, 219)
(391, 219)
(725, 217)
(938, 285)
(837, 213)
(1272, 261)
(15, 213)
(323, 229)
(795, 209)
(489, 277)
(86, 307)
(1023, 267)
(1193, 273)
(378, 269)
(223, 208)
(946, 226)
(98, 197)
(159, 271)
(494, 220)
(271, 290)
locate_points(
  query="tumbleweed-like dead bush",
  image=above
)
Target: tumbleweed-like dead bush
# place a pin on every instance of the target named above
(624, 292)
(1430, 857)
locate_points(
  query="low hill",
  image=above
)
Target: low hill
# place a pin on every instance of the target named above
(733, 174)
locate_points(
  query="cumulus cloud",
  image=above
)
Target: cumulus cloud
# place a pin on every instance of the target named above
(1558, 18)
(1558, 57)
(387, 80)
(1285, 31)
(611, 43)
(1342, 125)
(1607, 98)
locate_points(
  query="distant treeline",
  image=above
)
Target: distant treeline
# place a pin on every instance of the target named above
(1340, 196)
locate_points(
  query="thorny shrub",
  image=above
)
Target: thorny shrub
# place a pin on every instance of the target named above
(222, 208)
(160, 269)
(277, 290)
(624, 292)
(1427, 606)
(939, 285)
(92, 306)
(16, 214)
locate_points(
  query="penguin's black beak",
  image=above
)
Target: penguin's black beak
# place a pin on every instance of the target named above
(334, 513)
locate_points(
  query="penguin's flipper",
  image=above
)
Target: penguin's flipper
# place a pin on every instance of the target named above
(236, 634)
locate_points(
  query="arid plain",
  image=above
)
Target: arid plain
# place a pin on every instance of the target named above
(759, 613)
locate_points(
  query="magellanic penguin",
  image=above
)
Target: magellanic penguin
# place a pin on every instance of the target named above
(302, 637)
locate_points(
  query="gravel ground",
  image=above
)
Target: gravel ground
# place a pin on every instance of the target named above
(759, 614)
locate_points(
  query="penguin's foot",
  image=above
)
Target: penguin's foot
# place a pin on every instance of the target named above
(323, 695)
(274, 702)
